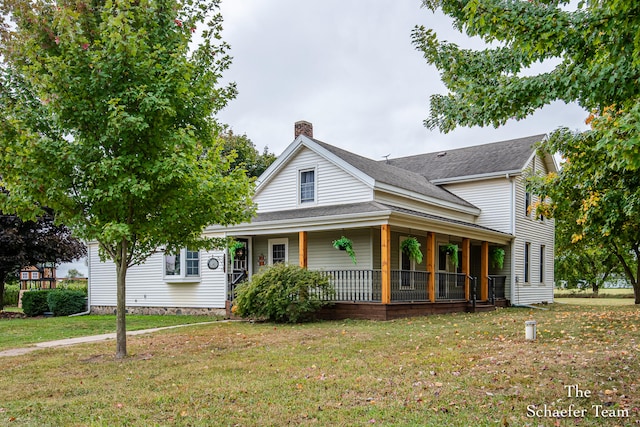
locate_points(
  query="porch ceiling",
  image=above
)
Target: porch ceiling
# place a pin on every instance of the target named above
(358, 215)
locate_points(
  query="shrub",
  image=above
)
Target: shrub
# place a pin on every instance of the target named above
(34, 303)
(74, 285)
(283, 293)
(63, 302)
(11, 294)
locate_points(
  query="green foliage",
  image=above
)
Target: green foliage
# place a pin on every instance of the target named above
(411, 247)
(34, 303)
(596, 203)
(452, 250)
(11, 294)
(283, 293)
(497, 257)
(235, 246)
(595, 44)
(107, 116)
(63, 302)
(74, 285)
(245, 155)
(345, 244)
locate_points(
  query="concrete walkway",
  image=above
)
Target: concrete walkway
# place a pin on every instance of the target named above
(89, 339)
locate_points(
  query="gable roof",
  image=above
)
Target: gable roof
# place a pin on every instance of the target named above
(394, 176)
(496, 158)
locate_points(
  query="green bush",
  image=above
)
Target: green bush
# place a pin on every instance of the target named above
(11, 294)
(74, 285)
(63, 302)
(34, 303)
(283, 293)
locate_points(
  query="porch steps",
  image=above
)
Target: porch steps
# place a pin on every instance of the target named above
(481, 307)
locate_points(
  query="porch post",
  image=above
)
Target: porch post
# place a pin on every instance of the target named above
(302, 249)
(466, 251)
(385, 246)
(431, 265)
(484, 271)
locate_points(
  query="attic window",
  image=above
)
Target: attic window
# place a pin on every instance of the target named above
(307, 186)
(441, 154)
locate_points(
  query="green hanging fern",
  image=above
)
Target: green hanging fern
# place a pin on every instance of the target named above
(411, 247)
(497, 257)
(345, 244)
(452, 251)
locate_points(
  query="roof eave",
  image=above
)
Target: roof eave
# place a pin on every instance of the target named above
(471, 210)
(478, 177)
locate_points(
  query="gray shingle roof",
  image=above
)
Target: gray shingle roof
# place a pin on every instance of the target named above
(503, 156)
(355, 208)
(395, 176)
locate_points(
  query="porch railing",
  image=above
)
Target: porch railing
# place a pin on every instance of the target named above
(497, 287)
(450, 286)
(355, 285)
(366, 285)
(409, 285)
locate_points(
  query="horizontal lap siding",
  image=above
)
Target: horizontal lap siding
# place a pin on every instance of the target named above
(492, 196)
(537, 233)
(323, 256)
(146, 286)
(333, 185)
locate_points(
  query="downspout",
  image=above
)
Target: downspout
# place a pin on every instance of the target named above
(88, 286)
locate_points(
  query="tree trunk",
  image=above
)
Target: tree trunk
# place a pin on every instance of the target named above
(121, 306)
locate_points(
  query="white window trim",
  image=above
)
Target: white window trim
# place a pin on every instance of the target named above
(279, 241)
(182, 278)
(526, 270)
(35, 275)
(24, 275)
(542, 265)
(315, 185)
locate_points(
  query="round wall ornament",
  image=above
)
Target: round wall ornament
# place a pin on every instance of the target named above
(213, 263)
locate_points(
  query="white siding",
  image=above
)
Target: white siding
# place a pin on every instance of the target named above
(405, 202)
(492, 196)
(323, 256)
(333, 185)
(146, 286)
(536, 232)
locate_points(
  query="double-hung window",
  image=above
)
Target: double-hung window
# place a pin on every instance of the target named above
(307, 186)
(183, 266)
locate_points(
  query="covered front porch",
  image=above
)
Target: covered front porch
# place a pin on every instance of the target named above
(383, 283)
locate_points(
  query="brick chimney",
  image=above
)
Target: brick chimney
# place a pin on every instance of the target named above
(303, 128)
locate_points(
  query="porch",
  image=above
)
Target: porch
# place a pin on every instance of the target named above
(358, 294)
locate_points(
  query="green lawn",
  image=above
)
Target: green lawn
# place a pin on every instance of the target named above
(23, 332)
(449, 370)
(616, 293)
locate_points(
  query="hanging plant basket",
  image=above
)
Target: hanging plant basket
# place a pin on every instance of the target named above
(345, 244)
(411, 247)
(497, 258)
(452, 251)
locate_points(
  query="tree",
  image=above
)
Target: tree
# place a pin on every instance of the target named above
(73, 273)
(597, 202)
(24, 243)
(596, 46)
(108, 118)
(247, 156)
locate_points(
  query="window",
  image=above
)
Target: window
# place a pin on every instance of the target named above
(542, 264)
(193, 263)
(35, 275)
(527, 203)
(307, 186)
(182, 265)
(24, 275)
(278, 250)
(527, 262)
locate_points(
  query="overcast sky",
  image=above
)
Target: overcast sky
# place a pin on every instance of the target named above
(348, 67)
